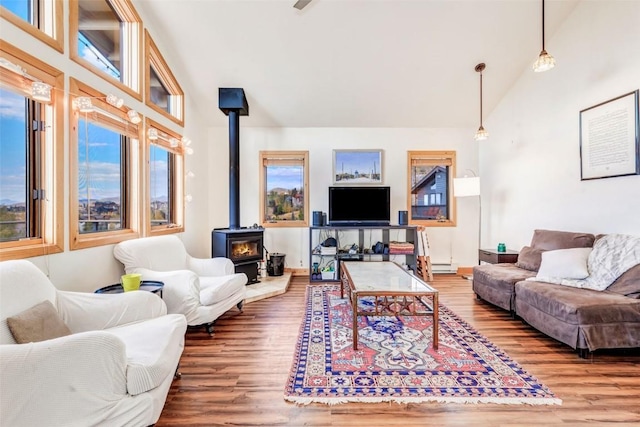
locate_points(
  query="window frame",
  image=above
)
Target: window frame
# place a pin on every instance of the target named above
(54, 36)
(285, 157)
(153, 58)
(131, 46)
(176, 181)
(428, 155)
(131, 195)
(51, 168)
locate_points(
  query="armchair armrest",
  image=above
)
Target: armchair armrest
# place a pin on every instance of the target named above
(219, 266)
(90, 312)
(65, 381)
(181, 291)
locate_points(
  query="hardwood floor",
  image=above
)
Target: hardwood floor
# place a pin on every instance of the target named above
(237, 378)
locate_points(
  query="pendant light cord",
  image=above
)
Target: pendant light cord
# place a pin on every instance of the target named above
(480, 98)
(542, 24)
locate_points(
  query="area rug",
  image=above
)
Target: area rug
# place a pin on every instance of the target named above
(395, 361)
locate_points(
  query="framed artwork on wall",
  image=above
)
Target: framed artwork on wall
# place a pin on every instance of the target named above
(357, 167)
(609, 144)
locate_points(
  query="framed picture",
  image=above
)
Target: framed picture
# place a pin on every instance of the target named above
(609, 144)
(357, 167)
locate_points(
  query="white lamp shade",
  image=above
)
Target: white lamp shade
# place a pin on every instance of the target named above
(467, 186)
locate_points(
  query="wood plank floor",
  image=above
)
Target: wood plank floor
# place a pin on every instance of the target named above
(237, 378)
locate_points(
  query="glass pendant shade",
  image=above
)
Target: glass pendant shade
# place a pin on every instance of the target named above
(545, 62)
(481, 134)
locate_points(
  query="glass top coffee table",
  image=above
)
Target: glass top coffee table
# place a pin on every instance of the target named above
(394, 292)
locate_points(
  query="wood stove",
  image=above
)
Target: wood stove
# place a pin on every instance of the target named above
(242, 245)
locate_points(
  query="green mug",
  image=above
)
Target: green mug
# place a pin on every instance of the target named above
(131, 282)
(502, 247)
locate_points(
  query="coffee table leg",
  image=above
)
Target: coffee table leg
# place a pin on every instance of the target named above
(435, 321)
(354, 306)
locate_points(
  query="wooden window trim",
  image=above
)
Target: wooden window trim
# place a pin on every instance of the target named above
(177, 178)
(133, 29)
(153, 58)
(52, 164)
(283, 158)
(432, 158)
(79, 240)
(54, 40)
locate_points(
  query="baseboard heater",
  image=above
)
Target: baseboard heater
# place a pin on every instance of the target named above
(442, 268)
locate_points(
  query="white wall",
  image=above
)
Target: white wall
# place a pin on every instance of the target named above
(448, 244)
(530, 165)
(89, 269)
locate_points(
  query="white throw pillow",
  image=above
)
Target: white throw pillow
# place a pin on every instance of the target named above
(565, 263)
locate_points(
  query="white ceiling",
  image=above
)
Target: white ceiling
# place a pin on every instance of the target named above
(352, 63)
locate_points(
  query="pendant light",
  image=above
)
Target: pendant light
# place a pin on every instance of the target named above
(545, 61)
(481, 133)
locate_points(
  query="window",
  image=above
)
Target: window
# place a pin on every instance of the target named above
(31, 175)
(165, 180)
(163, 93)
(430, 187)
(105, 37)
(105, 166)
(102, 181)
(40, 18)
(160, 162)
(284, 179)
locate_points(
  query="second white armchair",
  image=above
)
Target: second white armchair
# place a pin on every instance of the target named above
(200, 288)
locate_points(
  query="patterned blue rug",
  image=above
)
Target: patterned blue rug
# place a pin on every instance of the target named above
(395, 361)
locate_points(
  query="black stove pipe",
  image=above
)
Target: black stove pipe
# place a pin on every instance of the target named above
(233, 103)
(234, 170)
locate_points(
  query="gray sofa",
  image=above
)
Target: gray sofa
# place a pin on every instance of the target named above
(584, 319)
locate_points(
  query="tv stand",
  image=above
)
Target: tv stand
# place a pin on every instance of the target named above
(357, 243)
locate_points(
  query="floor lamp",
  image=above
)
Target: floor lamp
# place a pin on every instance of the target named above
(467, 187)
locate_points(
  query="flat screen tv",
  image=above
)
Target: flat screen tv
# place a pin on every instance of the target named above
(359, 205)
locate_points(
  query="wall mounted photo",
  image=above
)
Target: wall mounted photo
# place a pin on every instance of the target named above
(357, 167)
(609, 144)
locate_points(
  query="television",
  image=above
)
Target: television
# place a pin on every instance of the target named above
(359, 205)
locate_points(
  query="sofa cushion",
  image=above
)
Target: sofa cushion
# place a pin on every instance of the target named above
(38, 323)
(529, 258)
(578, 306)
(502, 275)
(216, 289)
(565, 263)
(152, 348)
(549, 240)
(628, 284)
(495, 283)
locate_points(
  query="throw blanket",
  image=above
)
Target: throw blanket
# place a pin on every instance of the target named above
(612, 255)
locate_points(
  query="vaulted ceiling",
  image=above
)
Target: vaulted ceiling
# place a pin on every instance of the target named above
(352, 63)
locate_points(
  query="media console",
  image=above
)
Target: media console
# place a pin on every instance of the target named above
(358, 243)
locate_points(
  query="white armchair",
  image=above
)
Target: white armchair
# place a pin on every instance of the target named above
(200, 288)
(114, 369)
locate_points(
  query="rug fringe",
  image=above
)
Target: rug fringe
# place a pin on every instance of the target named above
(405, 400)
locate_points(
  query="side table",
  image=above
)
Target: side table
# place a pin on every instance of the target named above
(492, 256)
(152, 286)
